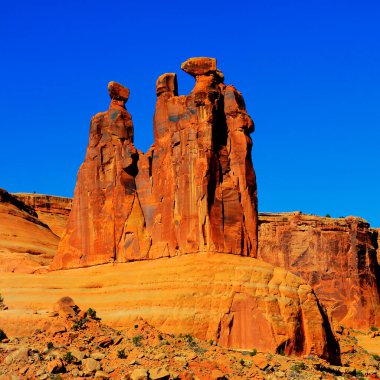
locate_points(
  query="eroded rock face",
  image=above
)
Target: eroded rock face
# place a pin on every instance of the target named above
(193, 191)
(239, 302)
(51, 210)
(337, 257)
(106, 222)
(26, 243)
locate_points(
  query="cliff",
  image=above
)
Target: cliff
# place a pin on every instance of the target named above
(336, 256)
(26, 243)
(51, 210)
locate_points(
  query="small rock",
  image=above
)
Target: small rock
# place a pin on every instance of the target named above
(192, 356)
(216, 374)
(90, 365)
(80, 355)
(141, 356)
(139, 374)
(105, 342)
(55, 366)
(57, 329)
(5, 340)
(118, 340)
(44, 376)
(134, 362)
(260, 361)
(109, 369)
(160, 356)
(97, 355)
(159, 374)
(24, 370)
(101, 375)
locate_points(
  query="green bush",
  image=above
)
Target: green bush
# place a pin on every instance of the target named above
(69, 357)
(242, 361)
(121, 354)
(50, 345)
(298, 367)
(374, 328)
(253, 352)
(137, 340)
(376, 357)
(79, 324)
(91, 313)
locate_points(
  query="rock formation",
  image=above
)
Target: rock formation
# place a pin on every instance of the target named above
(26, 243)
(337, 257)
(236, 301)
(50, 209)
(193, 191)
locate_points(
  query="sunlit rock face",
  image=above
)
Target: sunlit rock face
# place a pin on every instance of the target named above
(336, 256)
(193, 191)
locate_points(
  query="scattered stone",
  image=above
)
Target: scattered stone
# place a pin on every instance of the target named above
(260, 361)
(159, 374)
(55, 366)
(216, 374)
(57, 329)
(65, 306)
(97, 355)
(101, 375)
(90, 365)
(139, 374)
(105, 342)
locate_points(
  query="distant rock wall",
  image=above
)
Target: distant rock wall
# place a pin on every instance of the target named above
(52, 210)
(337, 257)
(193, 191)
(26, 243)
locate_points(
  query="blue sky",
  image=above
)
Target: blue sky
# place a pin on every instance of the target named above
(309, 72)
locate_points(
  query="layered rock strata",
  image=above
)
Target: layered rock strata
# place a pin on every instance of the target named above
(337, 257)
(51, 210)
(26, 243)
(236, 301)
(193, 191)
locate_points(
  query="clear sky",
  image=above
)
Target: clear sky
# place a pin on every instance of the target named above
(309, 72)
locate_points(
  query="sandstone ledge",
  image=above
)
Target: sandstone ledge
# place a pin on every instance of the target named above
(236, 301)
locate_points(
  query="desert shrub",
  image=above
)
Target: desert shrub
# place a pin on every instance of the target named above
(137, 340)
(253, 352)
(298, 367)
(374, 328)
(1, 299)
(91, 313)
(242, 361)
(121, 354)
(160, 337)
(79, 324)
(376, 357)
(50, 345)
(211, 342)
(69, 357)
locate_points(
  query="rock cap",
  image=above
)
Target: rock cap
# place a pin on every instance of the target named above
(167, 83)
(117, 91)
(199, 66)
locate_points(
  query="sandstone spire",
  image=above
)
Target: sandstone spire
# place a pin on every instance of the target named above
(193, 191)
